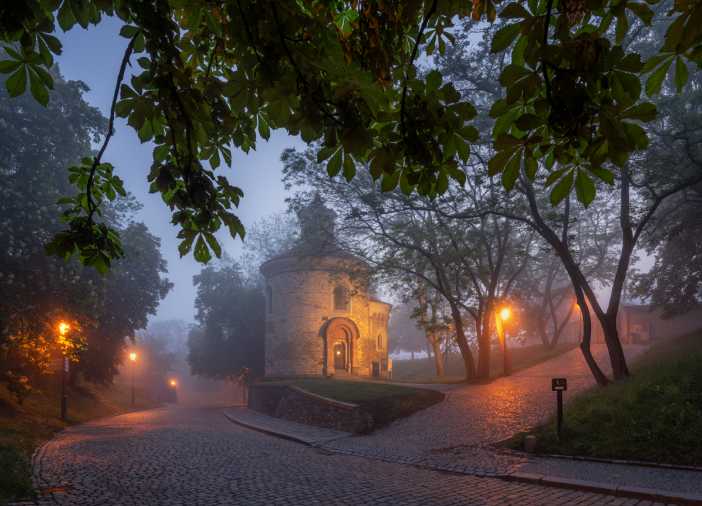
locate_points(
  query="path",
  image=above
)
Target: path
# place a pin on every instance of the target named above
(194, 456)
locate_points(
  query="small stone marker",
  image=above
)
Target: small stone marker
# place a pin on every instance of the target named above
(559, 385)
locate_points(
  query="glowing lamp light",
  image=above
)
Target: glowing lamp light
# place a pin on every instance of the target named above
(505, 314)
(63, 327)
(133, 356)
(173, 383)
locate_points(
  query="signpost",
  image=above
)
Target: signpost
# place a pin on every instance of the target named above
(559, 385)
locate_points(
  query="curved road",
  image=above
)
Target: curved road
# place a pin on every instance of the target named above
(195, 456)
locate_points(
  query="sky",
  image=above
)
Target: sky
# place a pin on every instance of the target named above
(93, 56)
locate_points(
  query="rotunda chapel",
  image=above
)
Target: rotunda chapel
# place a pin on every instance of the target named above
(320, 319)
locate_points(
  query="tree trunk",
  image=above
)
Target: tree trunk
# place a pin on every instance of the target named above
(462, 342)
(438, 359)
(484, 344)
(620, 370)
(600, 377)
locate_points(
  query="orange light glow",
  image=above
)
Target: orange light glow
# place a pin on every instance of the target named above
(63, 327)
(133, 356)
(505, 314)
(173, 383)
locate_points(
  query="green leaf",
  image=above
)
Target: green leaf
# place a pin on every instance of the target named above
(389, 181)
(655, 80)
(7, 66)
(433, 81)
(349, 168)
(504, 37)
(263, 129)
(65, 16)
(604, 174)
(511, 172)
(38, 89)
(584, 188)
(334, 164)
(514, 10)
(553, 177)
(185, 245)
(562, 189)
(681, 74)
(17, 82)
(528, 122)
(202, 252)
(498, 161)
(214, 244)
(645, 111)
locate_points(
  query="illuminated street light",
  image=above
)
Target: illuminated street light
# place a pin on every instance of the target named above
(133, 358)
(173, 383)
(504, 314)
(63, 329)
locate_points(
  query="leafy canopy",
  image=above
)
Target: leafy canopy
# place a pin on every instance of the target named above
(218, 74)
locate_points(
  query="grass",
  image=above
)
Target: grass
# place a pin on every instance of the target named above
(655, 416)
(385, 402)
(25, 427)
(423, 370)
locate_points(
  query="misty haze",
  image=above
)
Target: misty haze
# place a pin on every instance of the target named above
(351, 252)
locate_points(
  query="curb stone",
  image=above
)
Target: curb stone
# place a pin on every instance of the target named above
(651, 494)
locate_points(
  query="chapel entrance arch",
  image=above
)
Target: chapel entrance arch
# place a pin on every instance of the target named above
(340, 335)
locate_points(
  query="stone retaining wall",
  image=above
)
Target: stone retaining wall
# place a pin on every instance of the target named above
(298, 405)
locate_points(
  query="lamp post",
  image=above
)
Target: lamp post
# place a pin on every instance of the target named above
(132, 359)
(63, 329)
(504, 315)
(174, 385)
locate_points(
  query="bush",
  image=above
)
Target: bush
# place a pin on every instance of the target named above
(15, 478)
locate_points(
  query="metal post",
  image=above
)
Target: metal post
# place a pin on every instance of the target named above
(506, 363)
(132, 383)
(64, 396)
(559, 400)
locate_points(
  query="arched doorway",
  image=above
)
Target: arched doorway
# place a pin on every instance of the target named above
(340, 356)
(340, 335)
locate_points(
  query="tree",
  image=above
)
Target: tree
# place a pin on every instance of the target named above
(231, 318)
(128, 294)
(216, 74)
(675, 279)
(36, 144)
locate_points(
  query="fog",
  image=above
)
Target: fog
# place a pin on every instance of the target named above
(93, 56)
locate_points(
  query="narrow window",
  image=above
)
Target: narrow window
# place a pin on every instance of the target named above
(269, 298)
(341, 299)
(380, 341)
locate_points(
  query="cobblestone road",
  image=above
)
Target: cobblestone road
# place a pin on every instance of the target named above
(194, 456)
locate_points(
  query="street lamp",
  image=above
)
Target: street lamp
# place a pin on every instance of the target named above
(132, 359)
(63, 329)
(173, 383)
(504, 315)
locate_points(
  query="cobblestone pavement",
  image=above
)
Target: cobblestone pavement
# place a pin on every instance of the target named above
(460, 432)
(194, 456)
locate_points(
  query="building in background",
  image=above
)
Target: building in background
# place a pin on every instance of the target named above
(320, 318)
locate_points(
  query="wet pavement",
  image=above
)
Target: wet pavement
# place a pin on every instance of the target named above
(195, 456)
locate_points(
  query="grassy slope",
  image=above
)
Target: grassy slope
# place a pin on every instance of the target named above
(383, 401)
(654, 416)
(423, 370)
(24, 427)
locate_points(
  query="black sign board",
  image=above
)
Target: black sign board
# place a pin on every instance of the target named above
(559, 384)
